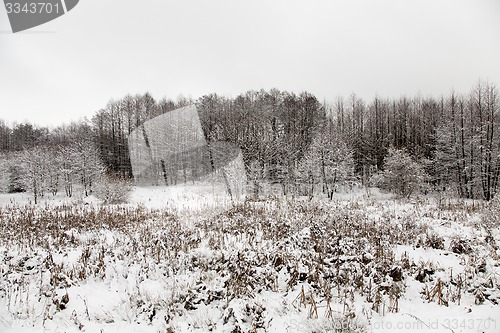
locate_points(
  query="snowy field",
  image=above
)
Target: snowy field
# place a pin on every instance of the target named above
(187, 259)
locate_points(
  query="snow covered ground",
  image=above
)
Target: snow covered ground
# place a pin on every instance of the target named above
(188, 259)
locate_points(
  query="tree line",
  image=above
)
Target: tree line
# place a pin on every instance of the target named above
(304, 145)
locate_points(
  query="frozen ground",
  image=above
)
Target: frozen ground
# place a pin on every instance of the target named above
(187, 259)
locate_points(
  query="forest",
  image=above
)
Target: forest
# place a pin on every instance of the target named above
(449, 144)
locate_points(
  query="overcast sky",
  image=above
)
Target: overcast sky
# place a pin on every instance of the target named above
(104, 49)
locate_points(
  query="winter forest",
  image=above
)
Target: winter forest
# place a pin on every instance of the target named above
(354, 216)
(408, 145)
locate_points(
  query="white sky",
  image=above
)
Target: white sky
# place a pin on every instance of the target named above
(103, 49)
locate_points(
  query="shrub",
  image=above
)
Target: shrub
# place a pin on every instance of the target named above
(401, 175)
(434, 241)
(113, 190)
(491, 214)
(460, 245)
(15, 181)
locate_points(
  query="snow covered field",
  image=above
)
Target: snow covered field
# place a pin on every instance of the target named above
(187, 259)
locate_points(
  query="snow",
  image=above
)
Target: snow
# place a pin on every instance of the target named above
(211, 264)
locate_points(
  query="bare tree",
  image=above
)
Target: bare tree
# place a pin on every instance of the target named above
(34, 163)
(328, 161)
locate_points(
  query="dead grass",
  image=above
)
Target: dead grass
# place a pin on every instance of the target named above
(325, 252)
